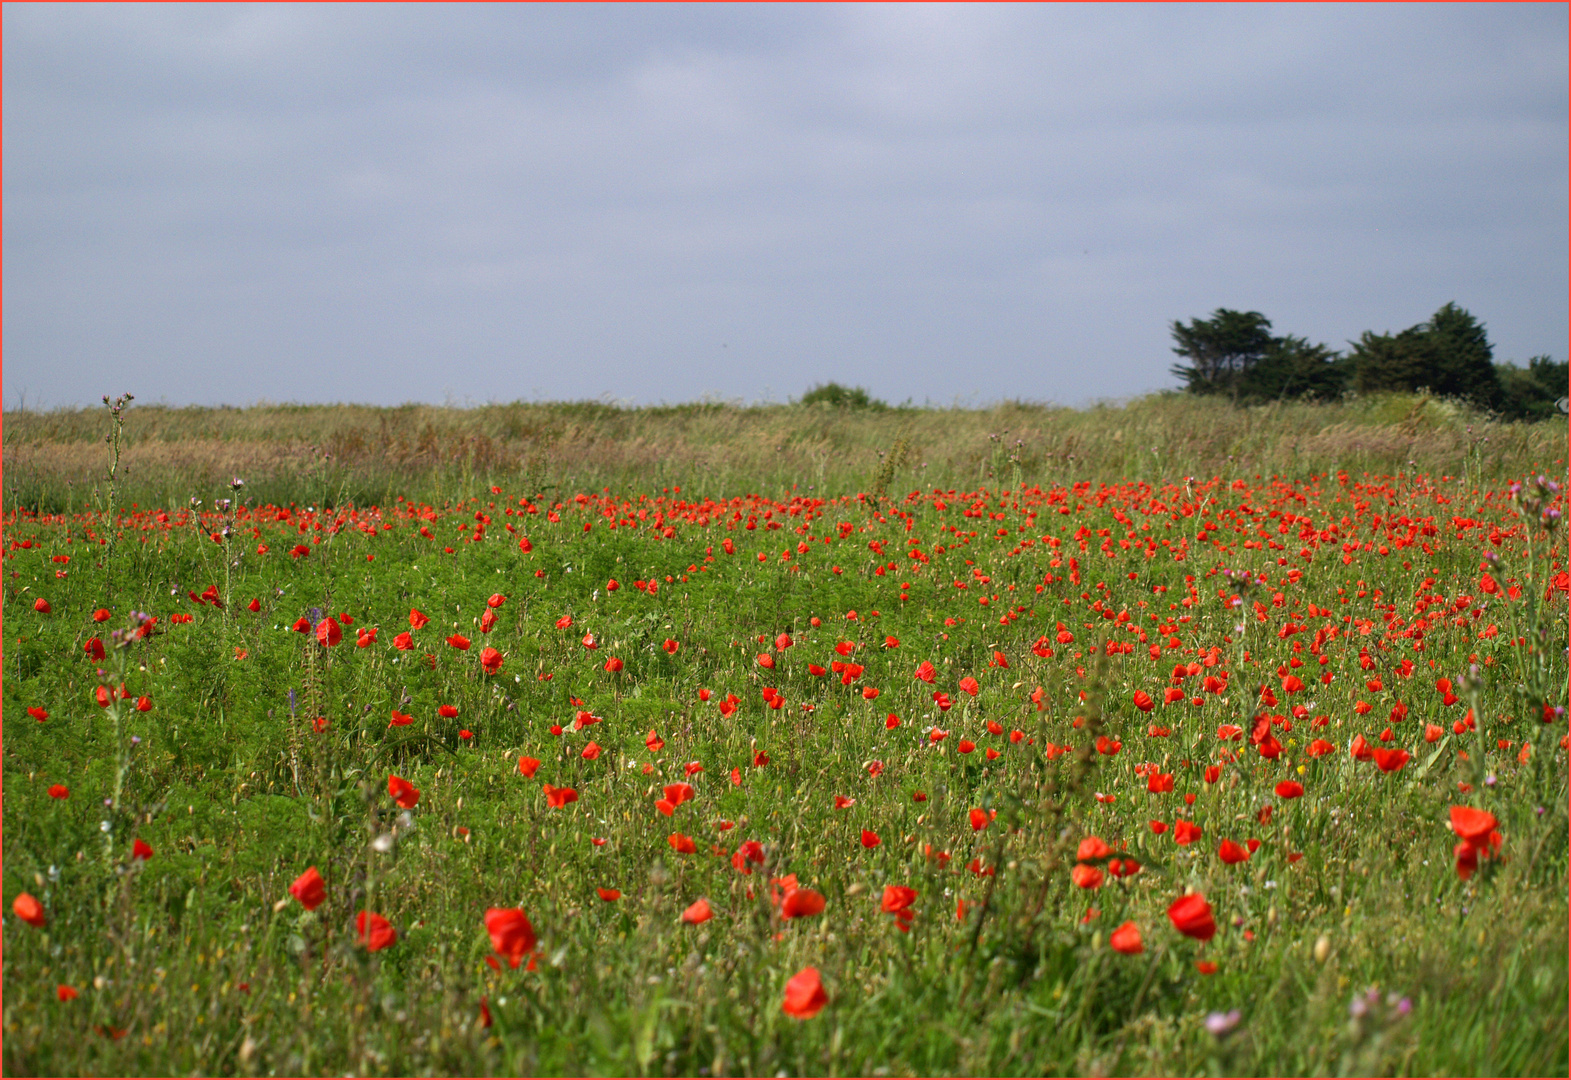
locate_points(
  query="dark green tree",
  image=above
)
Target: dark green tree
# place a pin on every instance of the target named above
(841, 397)
(1449, 355)
(1221, 350)
(1532, 393)
(1295, 368)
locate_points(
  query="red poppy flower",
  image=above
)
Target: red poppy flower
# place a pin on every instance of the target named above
(59, 791)
(401, 719)
(870, 839)
(671, 647)
(1391, 760)
(970, 686)
(692, 768)
(490, 660)
(965, 746)
(558, 797)
(42, 606)
(801, 902)
(302, 625)
(591, 750)
(417, 619)
(1289, 789)
(1319, 748)
(682, 843)
(678, 794)
(1092, 848)
(1126, 939)
(898, 898)
(613, 665)
(402, 791)
(1360, 749)
(37, 713)
(1191, 916)
(141, 849)
(1159, 827)
(1087, 877)
(29, 910)
(804, 994)
(94, 648)
(309, 889)
(328, 632)
(751, 851)
(926, 672)
(102, 614)
(374, 932)
(697, 912)
(1473, 825)
(512, 937)
(1156, 782)
(65, 993)
(458, 641)
(609, 895)
(1231, 853)
(765, 660)
(1143, 701)
(1185, 832)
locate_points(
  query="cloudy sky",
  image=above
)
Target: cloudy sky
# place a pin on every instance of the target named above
(212, 204)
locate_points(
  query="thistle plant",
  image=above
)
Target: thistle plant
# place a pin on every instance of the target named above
(117, 410)
(111, 694)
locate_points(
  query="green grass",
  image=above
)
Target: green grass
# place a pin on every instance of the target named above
(238, 795)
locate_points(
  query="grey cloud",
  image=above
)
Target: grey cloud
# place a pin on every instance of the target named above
(391, 203)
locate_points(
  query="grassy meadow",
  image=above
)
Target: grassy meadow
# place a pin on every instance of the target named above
(1158, 738)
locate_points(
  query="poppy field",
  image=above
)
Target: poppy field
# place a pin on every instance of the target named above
(1228, 775)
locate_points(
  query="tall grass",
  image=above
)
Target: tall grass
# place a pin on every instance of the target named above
(347, 453)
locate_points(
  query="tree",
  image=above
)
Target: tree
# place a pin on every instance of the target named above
(836, 396)
(1221, 350)
(1295, 368)
(1449, 355)
(1532, 393)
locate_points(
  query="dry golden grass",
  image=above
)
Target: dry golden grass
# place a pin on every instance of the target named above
(361, 453)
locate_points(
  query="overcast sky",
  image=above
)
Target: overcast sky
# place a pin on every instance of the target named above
(387, 204)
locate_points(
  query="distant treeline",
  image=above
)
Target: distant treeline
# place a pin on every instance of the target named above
(1234, 354)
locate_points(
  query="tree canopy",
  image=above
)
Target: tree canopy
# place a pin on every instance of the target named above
(1234, 353)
